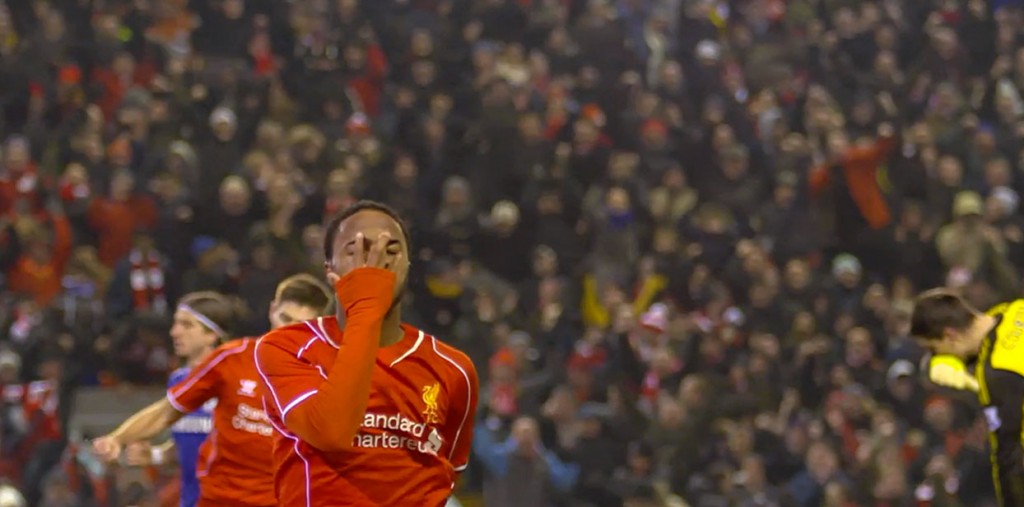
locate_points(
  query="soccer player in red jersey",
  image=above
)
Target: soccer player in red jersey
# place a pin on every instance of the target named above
(368, 411)
(234, 468)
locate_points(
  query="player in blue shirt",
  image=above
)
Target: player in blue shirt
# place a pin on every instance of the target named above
(188, 434)
(202, 321)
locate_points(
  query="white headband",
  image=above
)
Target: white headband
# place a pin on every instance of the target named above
(211, 325)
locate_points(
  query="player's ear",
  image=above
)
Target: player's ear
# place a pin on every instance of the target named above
(950, 334)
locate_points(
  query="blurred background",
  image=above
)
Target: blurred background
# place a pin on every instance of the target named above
(679, 238)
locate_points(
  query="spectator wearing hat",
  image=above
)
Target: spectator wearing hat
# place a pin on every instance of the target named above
(219, 152)
(903, 393)
(848, 284)
(973, 245)
(1001, 208)
(504, 245)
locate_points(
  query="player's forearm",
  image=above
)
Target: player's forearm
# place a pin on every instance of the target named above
(330, 419)
(147, 423)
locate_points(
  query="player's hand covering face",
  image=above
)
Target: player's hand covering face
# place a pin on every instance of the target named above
(370, 239)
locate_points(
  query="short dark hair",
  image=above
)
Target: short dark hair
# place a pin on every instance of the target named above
(938, 310)
(305, 290)
(364, 205)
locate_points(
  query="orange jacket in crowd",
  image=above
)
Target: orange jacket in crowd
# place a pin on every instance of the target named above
(861, 165)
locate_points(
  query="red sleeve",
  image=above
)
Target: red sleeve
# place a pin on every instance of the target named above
(461, 417)
(62, 240)
(869, 157)
(885, 145)
(94, 214)
(326, 411)
(376, 62)
(147, 212)
(203, 382)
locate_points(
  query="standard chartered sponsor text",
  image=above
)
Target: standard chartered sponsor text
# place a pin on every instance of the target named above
(398, 432)
(252, 420)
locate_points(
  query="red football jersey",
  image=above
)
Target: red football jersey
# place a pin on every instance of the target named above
(415, 433)
(235, 461)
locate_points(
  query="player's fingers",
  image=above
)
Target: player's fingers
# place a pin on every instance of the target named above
(359, 251)
(377, 256)
(106, 449)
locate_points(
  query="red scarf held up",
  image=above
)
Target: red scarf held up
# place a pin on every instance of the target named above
(147, 280)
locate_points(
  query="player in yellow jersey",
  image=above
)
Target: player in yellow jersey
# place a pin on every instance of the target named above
(959, 335)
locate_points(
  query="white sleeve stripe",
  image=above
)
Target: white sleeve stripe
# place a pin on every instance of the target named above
(326, 335)
(461, 468)
(302, 397)
(180, 388)
(469, 395)
(174, 403)
(306, 346)
(270, 387)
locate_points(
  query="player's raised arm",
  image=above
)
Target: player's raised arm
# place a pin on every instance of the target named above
(145, 424)
(1003, 414)
(185, 397)
(327, 412)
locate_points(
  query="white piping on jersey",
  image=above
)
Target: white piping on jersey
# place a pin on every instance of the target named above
(270, 387)
(213, 455)
(295, 447)
(174, 403)
(320, 332)
(298, 399)
(316, 332)
(469, 395)
(323, 332)
(307, 345)
(419, 340)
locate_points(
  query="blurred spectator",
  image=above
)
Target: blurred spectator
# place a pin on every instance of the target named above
(520, 471)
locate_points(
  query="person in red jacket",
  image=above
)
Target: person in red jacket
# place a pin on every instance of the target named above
(860, 169)
(117, 217)
(46, 247)
(368, 410)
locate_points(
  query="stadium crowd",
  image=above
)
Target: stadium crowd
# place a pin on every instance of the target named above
(679, 238)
